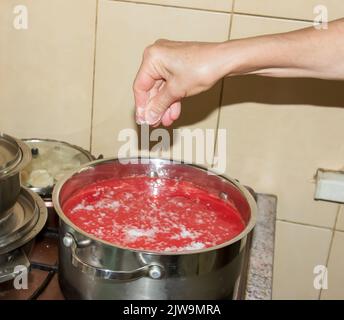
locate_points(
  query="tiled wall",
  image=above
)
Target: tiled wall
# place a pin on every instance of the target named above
(124, 30)
(69, 77)
(46, 71)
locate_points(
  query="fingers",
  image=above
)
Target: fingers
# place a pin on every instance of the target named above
(175, 110)
(155, 93)
(171, 114)
(142, 86)
(166, 118)
(158, 105)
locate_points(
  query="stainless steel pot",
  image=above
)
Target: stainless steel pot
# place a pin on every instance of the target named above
(90, 268)
(14, 156)
(18, 231)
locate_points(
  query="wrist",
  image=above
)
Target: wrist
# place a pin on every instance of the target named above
(241, 57)
(260, 55)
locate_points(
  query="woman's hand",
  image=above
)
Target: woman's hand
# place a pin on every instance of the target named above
(170, 71)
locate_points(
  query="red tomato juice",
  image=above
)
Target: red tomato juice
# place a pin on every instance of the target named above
(153, 214)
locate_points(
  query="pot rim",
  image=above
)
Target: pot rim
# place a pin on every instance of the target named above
(249, 198)
(22, 162)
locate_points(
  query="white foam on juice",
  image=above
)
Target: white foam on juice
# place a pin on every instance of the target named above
(193, 246)
(82, 206)
(134, 233)
(107, 204)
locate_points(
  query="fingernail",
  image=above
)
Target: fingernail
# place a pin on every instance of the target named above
(140, 115)
(140, 121)
(152, 117)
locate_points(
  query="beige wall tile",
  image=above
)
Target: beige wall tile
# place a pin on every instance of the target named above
(216, 5)
(335, 269)
(277, 138)
(298, 249)
(119, 55)
(244, 26)
(289, 9)
(340, 220)
(277, 149)
(46, 71)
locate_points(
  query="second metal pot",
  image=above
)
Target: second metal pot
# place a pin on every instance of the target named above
(52, 156)
(14, 156)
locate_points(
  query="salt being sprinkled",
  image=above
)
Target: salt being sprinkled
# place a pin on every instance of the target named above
(154, 214)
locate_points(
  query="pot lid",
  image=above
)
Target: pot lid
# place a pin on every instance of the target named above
(10, 153)
(14, 155)
(23, 222)
(51, 160)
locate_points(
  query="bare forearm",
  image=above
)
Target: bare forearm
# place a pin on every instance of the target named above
(303, 53)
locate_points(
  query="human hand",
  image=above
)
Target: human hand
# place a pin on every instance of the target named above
(170, 71)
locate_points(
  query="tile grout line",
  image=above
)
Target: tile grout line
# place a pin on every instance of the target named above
(271, 17)
(215, 11)
(231, 16)
(94, 71)
(305, 224)
(169, 6)
(273, 250)
(331, 243)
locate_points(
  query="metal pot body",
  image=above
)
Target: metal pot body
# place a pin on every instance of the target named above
(18, 231)
(90, 268)
(16, 155)
(210, 275)
(9, 192)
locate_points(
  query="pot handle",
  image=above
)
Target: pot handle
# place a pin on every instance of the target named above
(153, 270)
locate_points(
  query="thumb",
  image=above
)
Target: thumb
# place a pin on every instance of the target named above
(157, 106)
